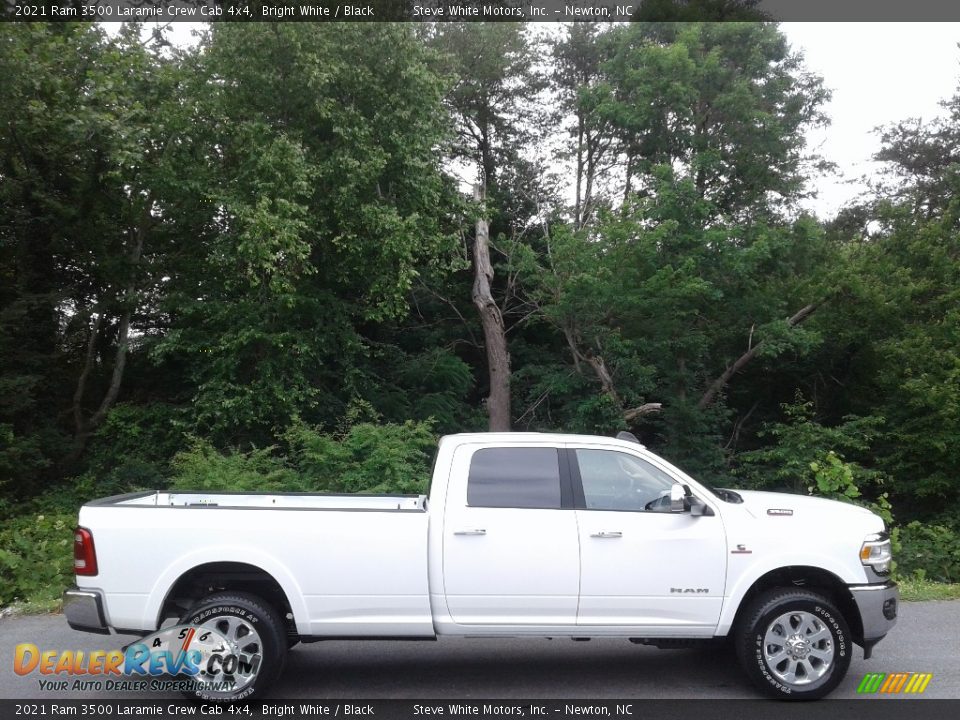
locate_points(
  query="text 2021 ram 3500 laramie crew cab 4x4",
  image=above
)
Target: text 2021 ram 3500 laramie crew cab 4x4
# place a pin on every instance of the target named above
(522, 534)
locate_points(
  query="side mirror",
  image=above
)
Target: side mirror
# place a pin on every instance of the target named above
(678, 497)
(698, 507)
(682, 500)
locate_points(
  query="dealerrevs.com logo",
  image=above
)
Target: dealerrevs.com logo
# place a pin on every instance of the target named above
(186, 658)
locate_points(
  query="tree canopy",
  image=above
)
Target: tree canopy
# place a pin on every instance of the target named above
(267, 269)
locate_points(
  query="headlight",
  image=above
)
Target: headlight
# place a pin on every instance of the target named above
(875, 552)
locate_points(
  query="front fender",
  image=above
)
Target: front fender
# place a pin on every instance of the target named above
(742, 577)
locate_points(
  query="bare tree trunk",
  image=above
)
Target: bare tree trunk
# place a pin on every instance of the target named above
(627, 189)
(78, 422)
(717, 385)
(494, 333)
(591, 169)
(578, 207)
(632, 414)
(86, 428)
(119, 365)
(603, 374)
(572, 344)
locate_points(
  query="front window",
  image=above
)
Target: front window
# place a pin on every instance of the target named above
(617, 481)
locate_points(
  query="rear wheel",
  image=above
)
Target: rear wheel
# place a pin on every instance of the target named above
(794, 644)
(254, 648)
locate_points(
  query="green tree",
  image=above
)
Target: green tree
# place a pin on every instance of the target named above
(578, 79)
(804, 453)
(908, 257)
(724, 104)
(95, 132)
(693, 275)
(329, 198)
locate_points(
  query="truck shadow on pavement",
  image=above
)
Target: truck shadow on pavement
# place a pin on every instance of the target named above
(514, 668)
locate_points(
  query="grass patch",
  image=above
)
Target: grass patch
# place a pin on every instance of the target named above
(32, 607)
(918, 589)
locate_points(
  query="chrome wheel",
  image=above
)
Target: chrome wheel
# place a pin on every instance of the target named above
(793, 643)
(798, 648)
(240, 660)
(250, 649)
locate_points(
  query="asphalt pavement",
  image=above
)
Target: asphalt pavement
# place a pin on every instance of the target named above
(926, 639)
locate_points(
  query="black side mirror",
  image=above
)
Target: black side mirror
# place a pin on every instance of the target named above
(682, 499)
(698, 507)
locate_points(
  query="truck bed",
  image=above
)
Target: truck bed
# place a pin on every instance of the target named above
(350, 565)
(265, 501)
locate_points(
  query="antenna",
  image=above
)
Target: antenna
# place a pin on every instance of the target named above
(629, 437)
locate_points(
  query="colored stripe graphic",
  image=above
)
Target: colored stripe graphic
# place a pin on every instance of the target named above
(871, 682)
(894, 683)
(898, 685)
(927, 677)
(889, 682)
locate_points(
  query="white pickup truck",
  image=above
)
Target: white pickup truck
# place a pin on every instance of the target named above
(523, 534)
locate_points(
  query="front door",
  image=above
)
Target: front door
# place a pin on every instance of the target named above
(510, 546)
(642, 565)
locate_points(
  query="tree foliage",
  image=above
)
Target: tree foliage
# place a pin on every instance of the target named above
(221, 273)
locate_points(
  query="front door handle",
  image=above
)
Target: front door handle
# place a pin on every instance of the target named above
(477, 531)
(607, 534)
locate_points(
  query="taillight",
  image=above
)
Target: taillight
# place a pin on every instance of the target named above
(84, 554)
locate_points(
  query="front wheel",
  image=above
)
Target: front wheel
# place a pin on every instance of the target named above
(794, 644)
(252, 646)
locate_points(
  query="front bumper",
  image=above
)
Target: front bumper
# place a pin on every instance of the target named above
(84, 610)
(878, 606)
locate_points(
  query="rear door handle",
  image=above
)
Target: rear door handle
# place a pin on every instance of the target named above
(478, 531)
(607, 534)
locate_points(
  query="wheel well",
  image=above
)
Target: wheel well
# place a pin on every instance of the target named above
(814, 579)
(197, 583)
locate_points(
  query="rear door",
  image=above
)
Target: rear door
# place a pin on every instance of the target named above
(511, 552)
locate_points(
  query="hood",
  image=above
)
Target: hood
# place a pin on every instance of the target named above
(774, 505)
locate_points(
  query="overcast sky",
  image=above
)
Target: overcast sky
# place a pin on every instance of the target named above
(879, 73)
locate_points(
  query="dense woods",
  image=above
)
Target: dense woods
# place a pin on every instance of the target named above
(296, 272)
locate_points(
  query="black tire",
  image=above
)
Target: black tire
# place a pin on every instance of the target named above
(232, 613)
(793, 644)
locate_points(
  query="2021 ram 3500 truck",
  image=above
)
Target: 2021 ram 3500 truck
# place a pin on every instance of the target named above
(522, 534)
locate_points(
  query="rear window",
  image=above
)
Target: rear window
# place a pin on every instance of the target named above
(514, 478)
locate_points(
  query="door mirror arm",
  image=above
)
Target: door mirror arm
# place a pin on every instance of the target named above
(678, 498)
(683, 500)
(698, 507)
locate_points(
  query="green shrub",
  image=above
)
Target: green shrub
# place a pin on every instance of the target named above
(389, 458)
(929, 551)
(36, 557)
(19, 456)
(805, 456)
(203, 467)
(809, 457)
(133, 448)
